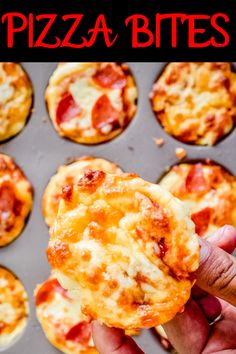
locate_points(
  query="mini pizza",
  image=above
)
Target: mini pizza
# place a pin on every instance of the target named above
(91, 102)
(61, 319)
(14, 308)
(70, 173)
(209, 192)
(195, 102)
(16, 196)
(15, 99)
(127, 247)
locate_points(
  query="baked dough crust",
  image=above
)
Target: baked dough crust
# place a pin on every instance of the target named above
(14, 307)
(70, 173)
(91, 102)
(164, 341)
(195, 102)
(127, 246)
(16, 197)
(209, 192)
(61, 319)
(15, 99)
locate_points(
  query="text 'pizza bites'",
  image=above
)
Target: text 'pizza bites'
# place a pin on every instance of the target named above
(127, 247)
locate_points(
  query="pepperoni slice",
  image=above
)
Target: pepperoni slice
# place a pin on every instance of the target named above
(163, 247)
(80, 333)
(195, 181)
(110, 76)
(45, 291)
(7, 198)
(202, 219)
(160, 219)
(67, 109)
(10, 68)
(104, 113)
(10, 206)
(17, 207)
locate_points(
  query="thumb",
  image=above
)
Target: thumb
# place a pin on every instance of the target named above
(113, 340)
(217, 272)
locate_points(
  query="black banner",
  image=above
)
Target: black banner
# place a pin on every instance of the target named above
(127, 30)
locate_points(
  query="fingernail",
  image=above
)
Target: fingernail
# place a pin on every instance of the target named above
(229, 229)
(204, 250)
(225, 229)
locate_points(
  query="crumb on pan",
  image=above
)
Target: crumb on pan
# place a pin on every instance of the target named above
(44, 119)
(180, 153)
(159, 141)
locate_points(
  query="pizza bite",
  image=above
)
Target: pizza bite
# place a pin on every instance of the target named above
(209, 192)
(61, 319)
(15, 99)
(16, 196)
(195, 102)
(127, 247)
(14, 308)
(70, 173)
(91, 102)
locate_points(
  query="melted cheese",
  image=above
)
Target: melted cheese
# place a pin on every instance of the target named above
(127, 247)
(13, 308)
(72, 173)
(219, 194)
(76, 78)
(57, 315)
(13, 222)
(6, 92)
(195, 102)
(15, 99)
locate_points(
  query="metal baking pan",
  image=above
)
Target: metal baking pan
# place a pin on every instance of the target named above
(39, 151)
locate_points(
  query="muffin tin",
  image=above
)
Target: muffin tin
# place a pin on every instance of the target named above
(39, 150)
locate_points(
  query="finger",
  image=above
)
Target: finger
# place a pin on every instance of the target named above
(224, 238)
(211, 307)
(209, 304)
(222, 338)
(113, 340)
(224, 329)
(217, 272)
(198, 293)
(228, 311)
(189, 330)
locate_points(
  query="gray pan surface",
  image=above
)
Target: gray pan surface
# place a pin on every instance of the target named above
(39, 151)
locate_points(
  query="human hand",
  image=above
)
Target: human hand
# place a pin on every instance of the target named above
(214, 295)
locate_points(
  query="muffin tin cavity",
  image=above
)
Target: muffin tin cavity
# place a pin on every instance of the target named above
(195, 102)
(14, 308)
